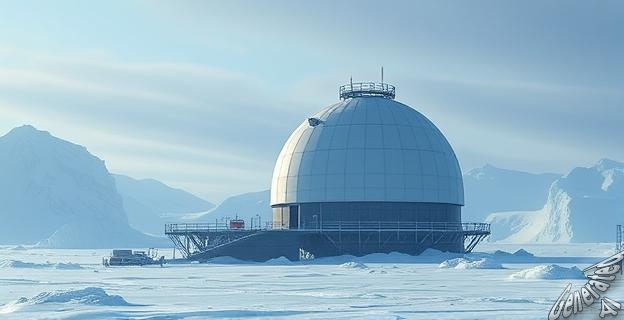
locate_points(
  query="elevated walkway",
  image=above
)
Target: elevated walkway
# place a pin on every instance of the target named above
(205, 241)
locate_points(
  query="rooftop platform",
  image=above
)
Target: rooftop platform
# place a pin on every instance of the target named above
(367, 89)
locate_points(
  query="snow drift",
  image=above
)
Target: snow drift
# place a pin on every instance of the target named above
(89, 295)
(549, 272)
(17, 264)
(353, 265)
(467, 263)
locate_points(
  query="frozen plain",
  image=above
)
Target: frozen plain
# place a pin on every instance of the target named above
(72, 284)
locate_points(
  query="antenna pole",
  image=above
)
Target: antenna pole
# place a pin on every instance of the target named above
(382, 76)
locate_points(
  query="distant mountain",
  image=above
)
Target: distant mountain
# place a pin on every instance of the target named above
(582, 206)
(490, 189)
(149, 203)
(57, 193)
(246, 206)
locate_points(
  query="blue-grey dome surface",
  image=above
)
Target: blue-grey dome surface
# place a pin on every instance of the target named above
(367, 149)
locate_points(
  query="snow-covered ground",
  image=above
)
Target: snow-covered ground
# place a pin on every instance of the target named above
(71, 284)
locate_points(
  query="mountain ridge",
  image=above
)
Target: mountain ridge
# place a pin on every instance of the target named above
(579, 206)
(52, 188)
(150, 203)
(491, 189)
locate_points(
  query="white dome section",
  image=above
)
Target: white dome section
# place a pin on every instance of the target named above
(367, 149)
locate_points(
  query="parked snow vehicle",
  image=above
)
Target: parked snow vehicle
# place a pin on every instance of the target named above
(133, 258)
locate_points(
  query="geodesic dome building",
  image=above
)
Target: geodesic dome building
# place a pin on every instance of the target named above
(367, 158)
(367, 174)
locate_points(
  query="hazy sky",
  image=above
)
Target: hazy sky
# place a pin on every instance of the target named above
(202, 95)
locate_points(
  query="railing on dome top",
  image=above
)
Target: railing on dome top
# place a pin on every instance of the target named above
(367, 89)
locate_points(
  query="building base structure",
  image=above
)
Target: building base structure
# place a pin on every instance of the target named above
(202, 242)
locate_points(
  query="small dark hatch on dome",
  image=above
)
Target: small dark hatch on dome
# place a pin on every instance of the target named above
(313, 122)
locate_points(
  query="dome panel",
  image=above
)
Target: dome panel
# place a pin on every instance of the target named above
(411, 161)
(407, 138)
(340, 138)
(399, 117)
(391, 138)
(393, 161)
(303, 183)
(374, 161)
(335, 194)
(335, 181)
(421, 138)
(395, 181)
(303, 140)
(295, 162)
(372, 113)
(354, 193)
(367, 149)
(357, 136)
(346, 116)
(325, 138)
(387, 118)
(355, 161)
(336, 114)
(305, 167)
(374, 137)
(359, 112)
(353, 181)
(413, 181)
(375, 180)
(337, 161)
(395, 194)
(375, 194)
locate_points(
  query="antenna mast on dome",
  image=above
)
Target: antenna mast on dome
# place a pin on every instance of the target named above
(382, 75)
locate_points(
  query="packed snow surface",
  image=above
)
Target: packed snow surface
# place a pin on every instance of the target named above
(551, 271)
(392, 286)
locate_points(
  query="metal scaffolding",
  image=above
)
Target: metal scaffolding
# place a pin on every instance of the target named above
(344, 236)
(192, 238)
